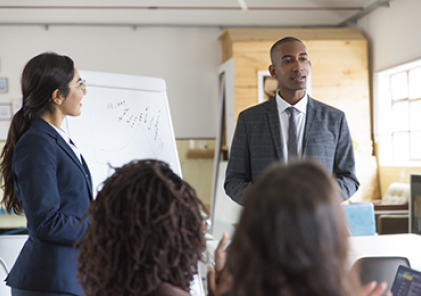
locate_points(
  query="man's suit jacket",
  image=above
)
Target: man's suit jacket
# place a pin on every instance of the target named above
(257, 144)
(55, 189)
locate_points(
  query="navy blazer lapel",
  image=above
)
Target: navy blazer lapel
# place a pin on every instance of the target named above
(275, 127)
(62, 143)
(88, 175)
(310, 119)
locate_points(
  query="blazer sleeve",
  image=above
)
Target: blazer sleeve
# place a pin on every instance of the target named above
(344, 164)
(238, 173)
(36, 182)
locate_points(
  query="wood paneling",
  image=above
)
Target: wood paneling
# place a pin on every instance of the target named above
(340, 79)
(258, 34)
(390, 174)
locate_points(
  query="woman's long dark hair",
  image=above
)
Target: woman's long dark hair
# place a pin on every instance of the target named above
(292, 238)
(146, 228)
(42, 75)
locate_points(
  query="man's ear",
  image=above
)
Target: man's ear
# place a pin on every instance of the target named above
(57, 98)
(272, 71)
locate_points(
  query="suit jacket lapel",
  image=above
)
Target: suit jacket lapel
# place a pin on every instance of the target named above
(275, 127)
(69, 151)
(72, 155)
(310, 119)
(88, 175)
(62, 144)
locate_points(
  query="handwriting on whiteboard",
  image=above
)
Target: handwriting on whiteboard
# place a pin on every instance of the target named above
(121, 122)
(147, 119)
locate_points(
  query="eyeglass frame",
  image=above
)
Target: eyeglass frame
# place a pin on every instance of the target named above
(82, 85)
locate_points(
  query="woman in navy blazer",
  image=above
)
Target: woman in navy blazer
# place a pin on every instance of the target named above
(46, 178)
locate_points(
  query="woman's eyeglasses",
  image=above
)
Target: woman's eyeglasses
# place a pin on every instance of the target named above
(82, 85)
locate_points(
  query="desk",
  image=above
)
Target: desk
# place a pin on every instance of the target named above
(406, 245)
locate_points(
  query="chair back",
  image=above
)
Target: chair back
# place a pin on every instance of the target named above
(360, 218)
(10, 246)
(4, 271)
(380, 269)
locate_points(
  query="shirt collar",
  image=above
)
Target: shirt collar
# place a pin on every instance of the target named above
(62, 133)
(300, 106)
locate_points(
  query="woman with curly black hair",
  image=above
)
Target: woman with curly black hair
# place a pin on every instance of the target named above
(146, 234)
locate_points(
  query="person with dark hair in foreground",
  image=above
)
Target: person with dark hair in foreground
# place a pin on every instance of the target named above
(146, 234)
(46, 178)
(292, 239)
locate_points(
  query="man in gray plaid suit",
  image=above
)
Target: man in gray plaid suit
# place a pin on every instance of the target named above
(289, 126)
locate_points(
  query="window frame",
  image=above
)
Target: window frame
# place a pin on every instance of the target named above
(382, 113)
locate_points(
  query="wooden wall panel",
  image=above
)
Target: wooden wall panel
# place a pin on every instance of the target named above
(249, 58)
(262, 34)
(340, 78)
(390, 174)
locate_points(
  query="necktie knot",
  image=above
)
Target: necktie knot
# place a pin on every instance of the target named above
(292, 111)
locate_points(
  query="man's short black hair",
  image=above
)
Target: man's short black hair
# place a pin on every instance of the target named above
(279, 42)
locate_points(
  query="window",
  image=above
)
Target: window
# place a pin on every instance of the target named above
(397, 107)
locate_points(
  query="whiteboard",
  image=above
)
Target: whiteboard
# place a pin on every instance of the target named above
(124, 118)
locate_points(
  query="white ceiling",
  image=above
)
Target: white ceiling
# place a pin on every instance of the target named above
(224, 13)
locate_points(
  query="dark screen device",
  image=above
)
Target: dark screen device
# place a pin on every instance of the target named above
(415, 205)
(407, 282)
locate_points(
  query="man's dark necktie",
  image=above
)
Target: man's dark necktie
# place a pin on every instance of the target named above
(292, 133)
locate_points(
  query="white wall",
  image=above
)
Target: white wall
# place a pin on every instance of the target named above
(187, 58)
(393, 33)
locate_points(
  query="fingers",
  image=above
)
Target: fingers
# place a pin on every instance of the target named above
(366, 289)
(222, 243)
(225, 236)
(218, 283)
(211, 281)
(220, 253)
(379, 289)
(224, 282)
(219, 280)
(372, 289)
